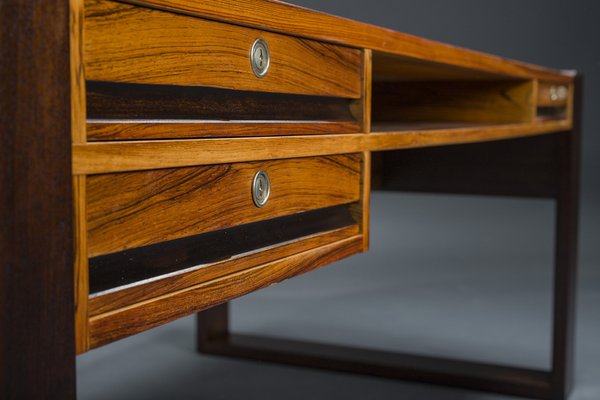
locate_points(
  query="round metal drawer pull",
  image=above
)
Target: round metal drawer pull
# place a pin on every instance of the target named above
(261, 189)
(260, 58)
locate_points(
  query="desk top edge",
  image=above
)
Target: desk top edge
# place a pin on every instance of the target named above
(278, 16)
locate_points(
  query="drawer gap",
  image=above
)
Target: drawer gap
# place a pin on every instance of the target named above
(124, 104)
(134, 266)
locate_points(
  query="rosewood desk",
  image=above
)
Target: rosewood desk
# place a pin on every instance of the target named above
(162, 157)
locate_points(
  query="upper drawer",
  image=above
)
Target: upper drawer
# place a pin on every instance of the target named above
(125, 43)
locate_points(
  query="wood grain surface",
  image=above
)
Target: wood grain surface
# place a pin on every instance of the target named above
(81, 267)
(466, 101)
(132, 294)
(109, 100)
(140, 208)
(124, 43)
(278, 16)
(37, 340)
(102, 130)
(126, 321)
(79, 135)
(96, 158)
(114, 271)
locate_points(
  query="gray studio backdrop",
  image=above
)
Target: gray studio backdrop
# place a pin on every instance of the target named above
(456, 276)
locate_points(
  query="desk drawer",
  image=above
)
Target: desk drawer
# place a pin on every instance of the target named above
(166, 243)
(125, 43)
(554, 100)
(134, 209)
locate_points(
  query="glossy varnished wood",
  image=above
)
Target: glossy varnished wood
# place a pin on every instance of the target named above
(103, 130)
(81, 267)
(95, 158)
(110, 326)
(281, 17)
(134, 44)
(37, 341)
(163, 102)
(79, 135)
(131, 267)
(466, 101)
(133, 294)
(140, 208)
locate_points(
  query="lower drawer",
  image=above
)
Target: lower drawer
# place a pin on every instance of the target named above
(164, 244)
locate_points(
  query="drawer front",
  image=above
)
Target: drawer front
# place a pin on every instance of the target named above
(552, 94)
(125, 43)
(134, 209)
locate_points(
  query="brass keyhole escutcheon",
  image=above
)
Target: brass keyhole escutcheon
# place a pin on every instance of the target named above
(261, 189)
(260, 58)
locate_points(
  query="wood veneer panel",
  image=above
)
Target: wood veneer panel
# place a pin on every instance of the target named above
(393, 68)
(37, 341)
(464, 101)
(111, 271)
(140, 208)
(129, 295)
(281, 17)
(125, 43)
(109, 100)
(95, 158)
(136, 318)
(81, 264)
(78, 135)
(101, 130)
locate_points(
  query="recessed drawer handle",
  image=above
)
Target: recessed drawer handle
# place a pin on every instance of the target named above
(261, 189)
(260, 58)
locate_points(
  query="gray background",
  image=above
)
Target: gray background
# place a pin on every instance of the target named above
(455, 276)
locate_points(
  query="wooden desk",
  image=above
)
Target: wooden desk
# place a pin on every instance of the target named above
(182, 153)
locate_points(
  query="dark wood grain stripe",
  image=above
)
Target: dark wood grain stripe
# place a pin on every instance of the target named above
(125, 268)
(127, 111)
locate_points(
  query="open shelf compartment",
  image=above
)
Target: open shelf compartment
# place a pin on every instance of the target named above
(409, 95)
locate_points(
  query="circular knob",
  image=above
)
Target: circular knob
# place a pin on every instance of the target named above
(261, 189)
(260, 58)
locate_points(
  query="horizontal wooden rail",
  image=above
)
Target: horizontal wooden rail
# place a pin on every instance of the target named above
(96, 158)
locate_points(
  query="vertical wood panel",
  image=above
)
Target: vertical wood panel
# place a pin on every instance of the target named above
(78, 136)
(81, 268)
(37, 343)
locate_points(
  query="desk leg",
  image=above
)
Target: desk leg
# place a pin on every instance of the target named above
(546, 167)
(565, 268)
(37, 343)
